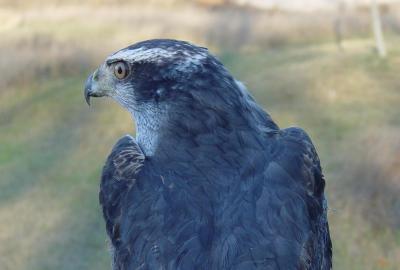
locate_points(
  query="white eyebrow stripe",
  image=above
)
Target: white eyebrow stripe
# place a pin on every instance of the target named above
(156, 54)
(141, 54)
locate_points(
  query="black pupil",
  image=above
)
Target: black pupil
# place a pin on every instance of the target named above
(119, 70)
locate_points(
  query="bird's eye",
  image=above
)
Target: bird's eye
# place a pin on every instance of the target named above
(121, 70)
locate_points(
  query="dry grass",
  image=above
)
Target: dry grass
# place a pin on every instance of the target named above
(365, 200)
(372, 177)
(39, 58)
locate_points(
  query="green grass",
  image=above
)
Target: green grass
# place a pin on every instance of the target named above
(52, 146)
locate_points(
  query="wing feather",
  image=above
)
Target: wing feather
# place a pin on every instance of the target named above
(301, 216)
(119, 175)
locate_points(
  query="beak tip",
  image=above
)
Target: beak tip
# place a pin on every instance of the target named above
(87, 98)
(88, 88)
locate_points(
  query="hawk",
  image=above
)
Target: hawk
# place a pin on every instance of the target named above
(210, 181)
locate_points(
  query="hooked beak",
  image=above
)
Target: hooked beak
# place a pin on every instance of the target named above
(95, 87)
(88, 89)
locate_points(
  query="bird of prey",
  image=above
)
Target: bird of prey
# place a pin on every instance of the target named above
(210, 181)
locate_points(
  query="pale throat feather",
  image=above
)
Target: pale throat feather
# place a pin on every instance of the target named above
(148, 118)
(149, 122)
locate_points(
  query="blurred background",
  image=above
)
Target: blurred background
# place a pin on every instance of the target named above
(331, 67)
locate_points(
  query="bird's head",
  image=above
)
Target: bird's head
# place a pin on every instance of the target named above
(150, 74)
(173, 82)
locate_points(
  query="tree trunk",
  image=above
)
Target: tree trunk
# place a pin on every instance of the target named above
(377, 28)
(338, 24)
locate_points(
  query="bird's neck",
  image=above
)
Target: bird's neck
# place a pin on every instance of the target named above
(148, 128)
(147, 141)
(161, 131)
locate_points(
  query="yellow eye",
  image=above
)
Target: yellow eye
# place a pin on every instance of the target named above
(121, 70)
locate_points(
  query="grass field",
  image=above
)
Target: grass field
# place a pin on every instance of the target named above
(52, 146)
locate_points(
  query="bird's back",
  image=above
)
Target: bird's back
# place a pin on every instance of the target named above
(259, 205)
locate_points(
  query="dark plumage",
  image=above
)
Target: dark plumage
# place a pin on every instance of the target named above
(210, 182)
